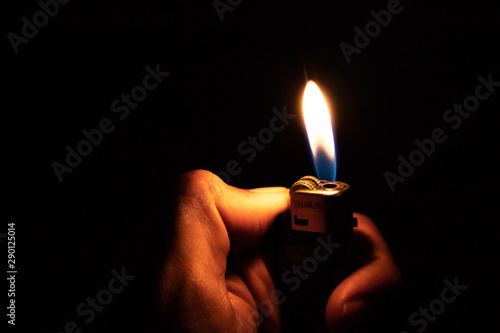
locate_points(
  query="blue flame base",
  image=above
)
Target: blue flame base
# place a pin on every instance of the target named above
(326, 168)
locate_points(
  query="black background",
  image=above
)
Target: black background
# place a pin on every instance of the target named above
(225, 79)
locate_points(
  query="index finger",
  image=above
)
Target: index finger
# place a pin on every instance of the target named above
(378, 273)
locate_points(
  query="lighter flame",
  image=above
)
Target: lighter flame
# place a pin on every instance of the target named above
(319, 130)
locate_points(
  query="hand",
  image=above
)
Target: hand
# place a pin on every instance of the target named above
(201, 292)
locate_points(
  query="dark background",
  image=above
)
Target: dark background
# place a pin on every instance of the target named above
(225, 79)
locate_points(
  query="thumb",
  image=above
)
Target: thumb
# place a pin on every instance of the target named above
(243, 216)
(248, 214)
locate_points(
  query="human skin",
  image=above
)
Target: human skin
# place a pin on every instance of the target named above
(201, 292)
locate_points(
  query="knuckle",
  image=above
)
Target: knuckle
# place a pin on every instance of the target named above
(195, 182)
(200, 186)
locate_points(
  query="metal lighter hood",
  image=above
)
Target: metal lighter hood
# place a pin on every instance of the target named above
(321, 206)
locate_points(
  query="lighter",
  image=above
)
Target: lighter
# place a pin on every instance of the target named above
(311, 243)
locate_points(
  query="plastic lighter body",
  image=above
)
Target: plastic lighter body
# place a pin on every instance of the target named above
(311, 246)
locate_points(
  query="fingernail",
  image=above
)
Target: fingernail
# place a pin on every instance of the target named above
(352, 309)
